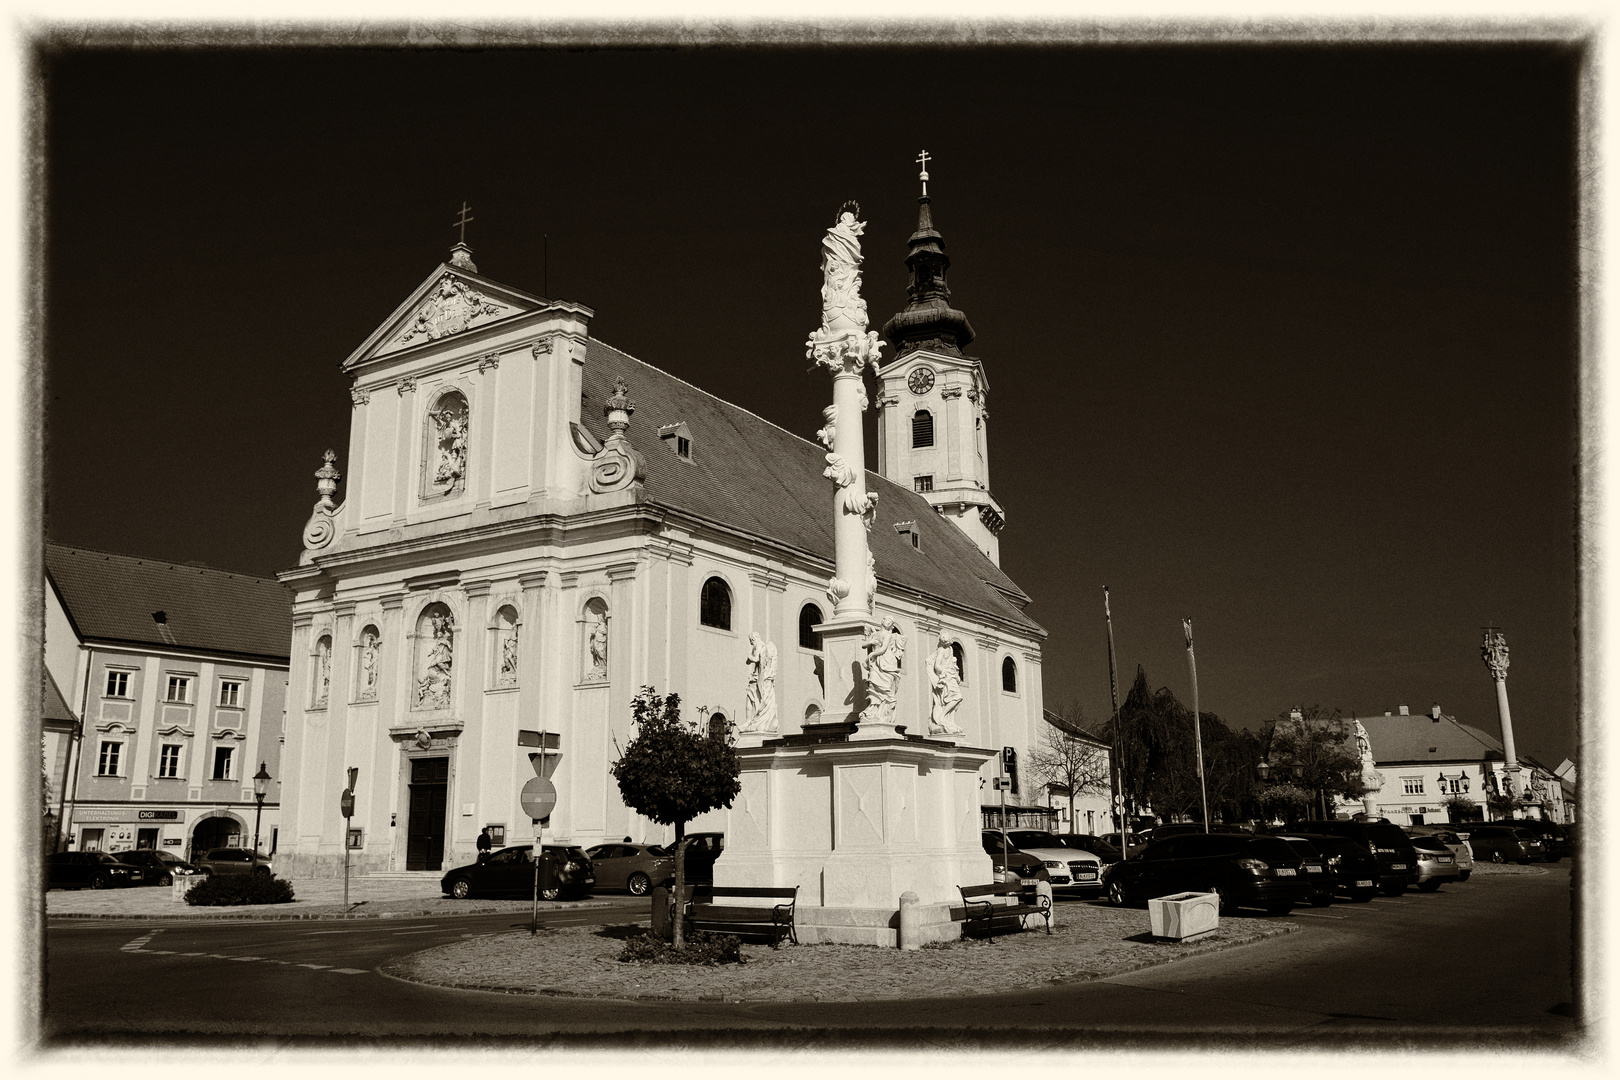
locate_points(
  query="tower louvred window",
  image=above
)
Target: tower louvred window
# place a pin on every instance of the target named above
(922, 428)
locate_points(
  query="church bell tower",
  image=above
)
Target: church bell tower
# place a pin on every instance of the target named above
(933, 433)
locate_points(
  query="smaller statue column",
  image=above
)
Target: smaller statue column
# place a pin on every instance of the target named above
(1494, 651)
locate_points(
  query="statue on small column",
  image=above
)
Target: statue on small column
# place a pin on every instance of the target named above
(760, 714)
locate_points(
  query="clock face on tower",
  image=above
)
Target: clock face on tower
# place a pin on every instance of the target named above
(921, 380)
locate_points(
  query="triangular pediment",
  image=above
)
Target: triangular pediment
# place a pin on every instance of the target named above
(449, 304)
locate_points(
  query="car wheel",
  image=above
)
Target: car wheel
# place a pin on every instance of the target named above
(261, 871)
(1365, 896)
(550, 894)
(1464, 875)
(1498, 857)
(1429, 886)
(1321, 901)
(1278, 909)
(639, 884)
(1223, 903)
(461, 888)
(166, 879)
(1116, 894)
(100, 881)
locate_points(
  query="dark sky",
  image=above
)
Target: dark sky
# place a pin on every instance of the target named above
(1280, 338)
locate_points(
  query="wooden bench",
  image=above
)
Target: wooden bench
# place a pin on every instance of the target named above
(988, 913)
(774, 921)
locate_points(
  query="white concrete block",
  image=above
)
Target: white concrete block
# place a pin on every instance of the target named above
(1181, 916)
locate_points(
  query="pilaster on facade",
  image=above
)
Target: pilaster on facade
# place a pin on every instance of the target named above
(624, 571)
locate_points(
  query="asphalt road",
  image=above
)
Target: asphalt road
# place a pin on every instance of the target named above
(1483, 962)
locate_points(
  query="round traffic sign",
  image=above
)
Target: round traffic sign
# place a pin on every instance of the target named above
(539, 796)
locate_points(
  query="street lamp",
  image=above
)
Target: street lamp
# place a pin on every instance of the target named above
(261, 784)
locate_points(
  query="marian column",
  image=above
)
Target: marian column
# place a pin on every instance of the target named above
(1495, 654)
(844, 346)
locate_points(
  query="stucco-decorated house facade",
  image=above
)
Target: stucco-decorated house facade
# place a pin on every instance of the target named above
(534, 525)
(171, 686)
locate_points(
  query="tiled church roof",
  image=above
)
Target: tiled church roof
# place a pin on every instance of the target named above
(1422, 738)
(112, 599)
(751, 475)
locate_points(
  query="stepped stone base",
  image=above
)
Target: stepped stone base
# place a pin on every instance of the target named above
(874, 926)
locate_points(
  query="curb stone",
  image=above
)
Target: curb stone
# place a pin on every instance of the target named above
(278, 916)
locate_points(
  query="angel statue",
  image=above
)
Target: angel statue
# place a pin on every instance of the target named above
(760, 714)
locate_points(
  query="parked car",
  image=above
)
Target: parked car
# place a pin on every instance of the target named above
(1067, 869)
(97, 869)
(702, 849)
(157, 867)
(1099, 847)
(232, 860)
(510, 872)
(1137, 843)
(1436, 864)
(635, 868)
(1388, 845)
(1453, 840)
(1245, 871)
(1352, 867)
(1314, 868)
(1555, 839)
(1503, 843)
(1028, 868)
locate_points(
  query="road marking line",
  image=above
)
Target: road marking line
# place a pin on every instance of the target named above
(435, 930)
(193, 954)
(1314, 915)
(160, 952)
(317, 967)
(348, 971)
(312, 933)
(246, 958)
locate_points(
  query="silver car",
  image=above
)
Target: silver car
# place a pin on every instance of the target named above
(232, 861)
(1068, 870)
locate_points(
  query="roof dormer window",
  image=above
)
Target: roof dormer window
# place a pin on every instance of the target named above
(678, 437)
(908, 531)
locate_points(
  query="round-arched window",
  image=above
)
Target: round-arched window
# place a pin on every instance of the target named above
(718, 726)
(922, 428)
(714, 606)
(1009, 676)
(809, 617)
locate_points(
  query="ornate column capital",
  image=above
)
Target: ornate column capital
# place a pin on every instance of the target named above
(531, 581)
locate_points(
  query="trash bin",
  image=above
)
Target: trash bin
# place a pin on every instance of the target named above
(1183, 916)
(661, 914)
(180, 884)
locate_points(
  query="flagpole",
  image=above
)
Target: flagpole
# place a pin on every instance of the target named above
(1198, 736)
(1119, 740)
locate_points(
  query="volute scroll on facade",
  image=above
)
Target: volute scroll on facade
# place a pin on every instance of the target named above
(617, 465)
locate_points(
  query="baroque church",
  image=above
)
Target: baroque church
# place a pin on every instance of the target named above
(535, 525)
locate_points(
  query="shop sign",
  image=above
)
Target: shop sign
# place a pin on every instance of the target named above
(173, 841)
(121, 813)
(158, 815)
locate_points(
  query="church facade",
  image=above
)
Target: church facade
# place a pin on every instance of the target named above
(535, 525)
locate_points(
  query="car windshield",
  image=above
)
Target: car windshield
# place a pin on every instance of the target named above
(1271, 850)
(1429, 843)
(1301, 847)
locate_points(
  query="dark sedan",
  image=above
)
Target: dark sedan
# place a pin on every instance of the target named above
(1313, 867)
(1352, 867)
(1503, 843)
(510, 872)
(158, 867)
(635, 868)
(1245, 871)
(96, 869)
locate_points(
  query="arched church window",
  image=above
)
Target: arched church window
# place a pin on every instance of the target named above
(719, 726)
(714, 606)
(922, 428)
(1009, 676)
(961, 660)
(809, 616)
(435, 656)
(446, 459)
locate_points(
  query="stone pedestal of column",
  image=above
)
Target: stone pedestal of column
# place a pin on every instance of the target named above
(845, 695)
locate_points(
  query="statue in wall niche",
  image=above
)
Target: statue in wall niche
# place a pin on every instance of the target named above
(451, 422)
(323, 672)
(599, 646)
(509, 656)
(885, 650)
(760, 714)
(433, 687)
(946, 683)
(368, 665)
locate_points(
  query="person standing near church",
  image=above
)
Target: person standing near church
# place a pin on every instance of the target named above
(484, 844)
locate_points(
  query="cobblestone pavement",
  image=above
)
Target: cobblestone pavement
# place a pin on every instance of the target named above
(313, 898)
(1090, 942)
(1487, 869)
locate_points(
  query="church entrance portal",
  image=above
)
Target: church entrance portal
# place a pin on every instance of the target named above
(430, 785)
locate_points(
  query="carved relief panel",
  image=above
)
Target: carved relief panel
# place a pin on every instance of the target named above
(445, 460)
(435, 657)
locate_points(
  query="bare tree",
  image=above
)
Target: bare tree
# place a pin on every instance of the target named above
(1063, 757)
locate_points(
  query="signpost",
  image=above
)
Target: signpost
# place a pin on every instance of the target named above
(539, 797)
(346, 808)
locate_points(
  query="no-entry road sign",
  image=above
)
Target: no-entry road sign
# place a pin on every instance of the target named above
(539, 797)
